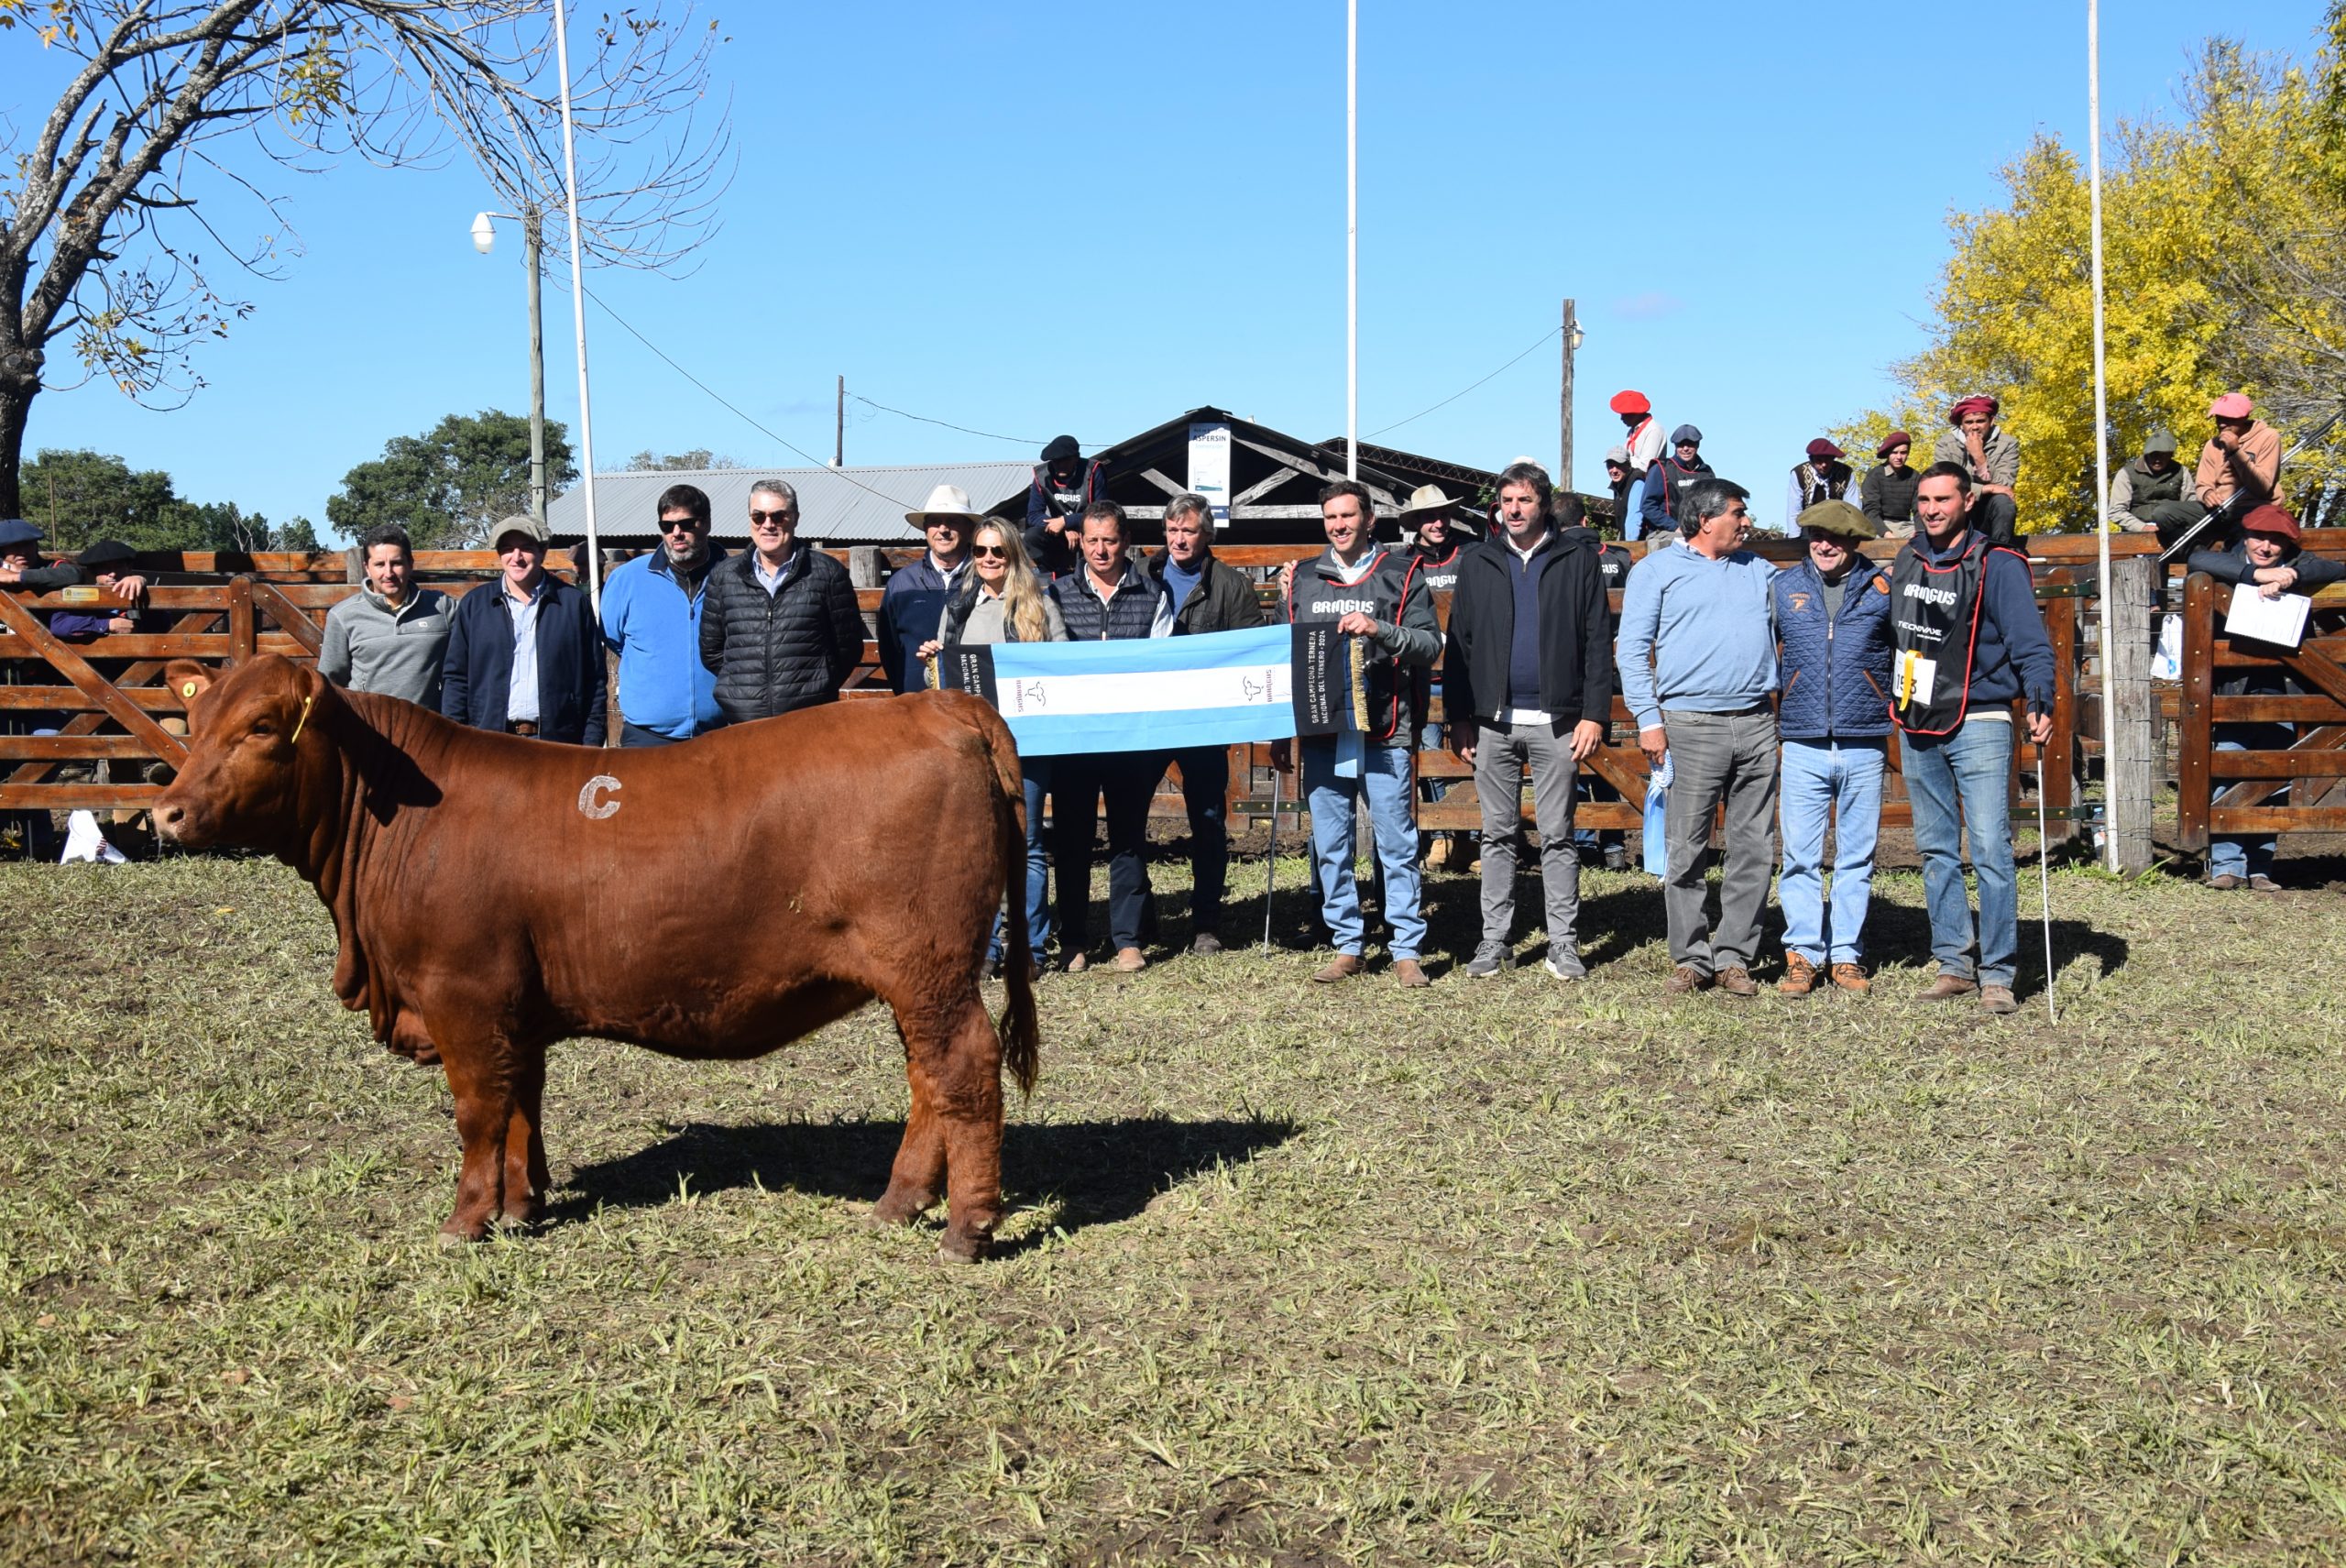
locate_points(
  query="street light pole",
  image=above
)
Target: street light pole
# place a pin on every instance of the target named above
(532, 250)
(1564, 400)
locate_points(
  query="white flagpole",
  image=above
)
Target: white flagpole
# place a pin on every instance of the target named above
(587, 569)
(1352, 240)
(2101, 426)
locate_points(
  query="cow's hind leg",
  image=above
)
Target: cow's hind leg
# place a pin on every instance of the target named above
(966, 1084)
(526, 1177)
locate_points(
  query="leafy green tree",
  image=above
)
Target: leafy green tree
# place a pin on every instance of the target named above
(450, 486)
(649, 462)
(80, 497)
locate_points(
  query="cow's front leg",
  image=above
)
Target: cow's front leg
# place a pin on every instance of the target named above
(917, 1178)
(968, 1103)
(485, 1108)
(526, 1177)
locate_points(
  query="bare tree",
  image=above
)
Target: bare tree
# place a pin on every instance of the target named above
(109, 237)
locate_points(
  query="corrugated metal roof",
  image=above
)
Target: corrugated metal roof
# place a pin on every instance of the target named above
(851, 506)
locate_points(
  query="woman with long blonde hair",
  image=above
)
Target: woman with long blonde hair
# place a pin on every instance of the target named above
(1004, 601)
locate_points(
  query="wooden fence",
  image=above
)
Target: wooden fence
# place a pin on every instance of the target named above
(2231, 791)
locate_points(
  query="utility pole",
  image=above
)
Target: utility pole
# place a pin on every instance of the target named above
(839, 428)
(1564, 403)
(533, 242)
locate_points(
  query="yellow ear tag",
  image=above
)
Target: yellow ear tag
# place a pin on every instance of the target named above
(187, 692)
(299, 722)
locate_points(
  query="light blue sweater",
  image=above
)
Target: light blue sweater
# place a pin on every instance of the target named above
(1696, 633)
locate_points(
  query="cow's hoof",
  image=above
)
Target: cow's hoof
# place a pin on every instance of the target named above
(960, 1245)
(463, 1233)
(899, 1208)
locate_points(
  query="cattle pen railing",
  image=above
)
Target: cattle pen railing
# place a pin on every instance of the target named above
(111, 713)
(2231, 790)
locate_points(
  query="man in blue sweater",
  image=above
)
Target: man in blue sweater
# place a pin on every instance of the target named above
(1697, 659)
(1833, 625)
(1969, 642)
(651, 621)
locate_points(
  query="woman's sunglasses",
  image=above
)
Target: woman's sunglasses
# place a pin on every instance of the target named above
(991, 551)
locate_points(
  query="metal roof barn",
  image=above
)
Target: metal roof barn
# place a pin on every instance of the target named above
(836, 506)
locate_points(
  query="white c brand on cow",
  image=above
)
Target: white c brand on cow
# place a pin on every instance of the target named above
(595, 809)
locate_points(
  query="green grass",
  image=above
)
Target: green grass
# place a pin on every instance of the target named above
(1506, 1272)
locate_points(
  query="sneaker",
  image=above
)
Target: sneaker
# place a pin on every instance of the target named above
(1850, 978)
(1489, 960)
(1075, 963)
(1344, 966)
(1205, 942)
(1947, 988)
(1410, 973)
(2263, 884)
(1997, 998)
(1800, 976)
(1567, 967)
(2227, 883)
(1737, 982)
(1686, 978)
(1129, 959)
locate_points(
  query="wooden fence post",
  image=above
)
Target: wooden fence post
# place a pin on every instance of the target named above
(243, 640)
(2199, 736)
(2131, 755)
(863, 572)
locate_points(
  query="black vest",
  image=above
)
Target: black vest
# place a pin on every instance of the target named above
(2150, 486)
(1381, 596)
(1934, 630)
(1830, 483)
(1893, 493)
(1677, 480)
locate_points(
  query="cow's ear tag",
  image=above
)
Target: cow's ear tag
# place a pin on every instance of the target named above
(187, 692)
(299, 722)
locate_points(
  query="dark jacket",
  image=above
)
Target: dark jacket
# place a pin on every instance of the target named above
(1135, 611)
(478, 668)
(1222, 601)
(779, 651)
(2230, 565)
(1666, 483)
(1407, 636)
(1054, 554)
(1834, 675)
(2012, 656)
(1887, 494)
(1575, 631)
(1438, 569)
(914, 597)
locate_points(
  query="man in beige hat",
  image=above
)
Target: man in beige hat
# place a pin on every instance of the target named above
(1436, 547)
(915, 595)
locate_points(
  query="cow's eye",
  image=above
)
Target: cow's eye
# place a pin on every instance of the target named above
(264, 728)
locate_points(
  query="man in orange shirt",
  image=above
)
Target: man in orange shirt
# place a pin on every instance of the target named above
(2243, 459)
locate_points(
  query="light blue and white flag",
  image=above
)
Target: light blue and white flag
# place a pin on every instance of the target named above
(1221, 688)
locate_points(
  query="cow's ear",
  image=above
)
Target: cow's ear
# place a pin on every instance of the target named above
(187, 679)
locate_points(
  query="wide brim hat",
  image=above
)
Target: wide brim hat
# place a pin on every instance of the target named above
(1431, 501)
(946, 503)
(1838, 517)
(106, 553)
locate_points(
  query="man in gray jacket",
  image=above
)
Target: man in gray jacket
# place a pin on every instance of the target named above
(390, 636)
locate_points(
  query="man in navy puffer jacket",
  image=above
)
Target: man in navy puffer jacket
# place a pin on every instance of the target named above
(1833, 621)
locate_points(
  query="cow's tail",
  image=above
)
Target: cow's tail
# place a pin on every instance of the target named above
(1022, 1034)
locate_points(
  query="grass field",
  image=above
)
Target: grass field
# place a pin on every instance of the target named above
(1507, 1272)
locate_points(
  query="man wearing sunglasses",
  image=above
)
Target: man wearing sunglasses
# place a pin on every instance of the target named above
(780, 629)
(651, 608)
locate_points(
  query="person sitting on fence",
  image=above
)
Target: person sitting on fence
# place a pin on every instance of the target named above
(1622, 486)
(2268, 556)
(1437, 549)
(1667, 483)
(1832, 634)
(524, 653)
(1527, 682)
(779, 624)
(652, 612)
(1697, 659)
(1004, 599)
(103, 563)
(1368, 592)
(1111, 598)
(1970, 641)
(2151, 493)
(1820, 476)
(1204, 595)
(1887, 492)
(1992, 459)
(1641, 443)
(2241, 466)
(1064, 486)
(918, 591)
(392, 636)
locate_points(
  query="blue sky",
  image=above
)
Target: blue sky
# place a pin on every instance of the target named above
(1030, 218)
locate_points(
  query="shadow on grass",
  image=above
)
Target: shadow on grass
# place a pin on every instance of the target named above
(1100, 1172)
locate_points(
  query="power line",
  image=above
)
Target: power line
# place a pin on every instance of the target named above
(949, 424)
(1464, 391)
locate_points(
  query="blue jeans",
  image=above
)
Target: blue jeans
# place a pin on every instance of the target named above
(2242, 857)
(1037, 772)
(636, 735)
(1384, 774)
(1970, 770)
(1842, 778)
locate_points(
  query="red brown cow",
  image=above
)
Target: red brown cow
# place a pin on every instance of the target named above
(714, 899)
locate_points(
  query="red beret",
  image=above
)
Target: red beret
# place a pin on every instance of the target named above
(1821, 447)
(1894, 439)
(1631, 403)
(1985, 404)
(2271, 519)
